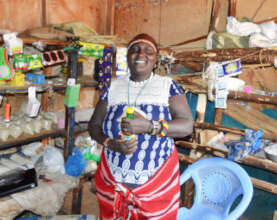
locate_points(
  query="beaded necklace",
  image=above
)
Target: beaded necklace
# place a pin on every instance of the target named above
(140, 91)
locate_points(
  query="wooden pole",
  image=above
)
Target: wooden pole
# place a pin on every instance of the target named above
(110, 13)
(232, 11)
(218, 116)
(215, 14)
(43, 13)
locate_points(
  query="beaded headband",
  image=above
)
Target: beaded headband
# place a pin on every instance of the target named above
(143, 41)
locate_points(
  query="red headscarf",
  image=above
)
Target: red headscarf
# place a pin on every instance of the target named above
(145, 38)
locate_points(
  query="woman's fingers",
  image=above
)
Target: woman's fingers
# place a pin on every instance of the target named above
(130, 146)
(126, 146)
(124, 126)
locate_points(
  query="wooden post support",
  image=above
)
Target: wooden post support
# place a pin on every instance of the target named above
(218, 116)
(200, 116)
(215, 14)
(232, 8)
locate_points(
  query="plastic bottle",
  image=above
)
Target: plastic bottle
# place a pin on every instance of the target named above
(129, 114)
(7, 115)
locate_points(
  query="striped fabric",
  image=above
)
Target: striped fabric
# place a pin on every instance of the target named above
(157, 199)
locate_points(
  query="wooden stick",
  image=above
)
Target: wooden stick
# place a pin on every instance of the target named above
(258, 9)
(263, 185)
(247, 55)
(267, 20)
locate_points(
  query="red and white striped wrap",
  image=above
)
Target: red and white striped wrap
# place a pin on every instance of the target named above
(157, 199)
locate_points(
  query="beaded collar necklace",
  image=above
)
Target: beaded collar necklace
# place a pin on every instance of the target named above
(145, 82)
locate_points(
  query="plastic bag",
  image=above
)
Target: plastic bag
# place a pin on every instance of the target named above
(53, 160)
(260, 40)
(31, 149)
(269, 29)
(241, 28)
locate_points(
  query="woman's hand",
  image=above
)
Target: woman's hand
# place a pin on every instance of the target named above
(124, 146)
(137, 125)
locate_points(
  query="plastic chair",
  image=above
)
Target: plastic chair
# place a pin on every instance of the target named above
(218, 182)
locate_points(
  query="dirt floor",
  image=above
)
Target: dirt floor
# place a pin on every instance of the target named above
(89, 203)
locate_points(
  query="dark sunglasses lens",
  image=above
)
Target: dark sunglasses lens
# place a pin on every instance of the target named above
(60, 55)
(54, 57)
(46, 57)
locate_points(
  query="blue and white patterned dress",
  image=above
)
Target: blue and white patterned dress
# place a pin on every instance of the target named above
(152, 151)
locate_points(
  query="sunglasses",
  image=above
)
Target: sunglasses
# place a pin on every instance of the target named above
(53, 57)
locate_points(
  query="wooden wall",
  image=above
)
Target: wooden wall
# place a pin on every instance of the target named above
(174, 21)
(91, 12)
(257, 10)
(19, 15)
(169, 22)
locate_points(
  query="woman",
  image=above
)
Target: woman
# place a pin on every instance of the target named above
(138, 177)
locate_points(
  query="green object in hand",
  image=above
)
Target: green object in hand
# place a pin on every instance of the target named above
(129, 114)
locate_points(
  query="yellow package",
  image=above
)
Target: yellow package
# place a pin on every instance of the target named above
(18, 79)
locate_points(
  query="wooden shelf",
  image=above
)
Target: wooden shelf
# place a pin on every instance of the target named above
(28, 138)
(86, 82)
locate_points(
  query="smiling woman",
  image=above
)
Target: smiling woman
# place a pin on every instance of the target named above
(142, 56)
(139, 177)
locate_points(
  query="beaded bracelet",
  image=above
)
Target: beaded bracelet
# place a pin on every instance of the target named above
(156, 127)
(164, 129)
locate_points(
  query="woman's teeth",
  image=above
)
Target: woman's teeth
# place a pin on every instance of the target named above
(140, 61)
